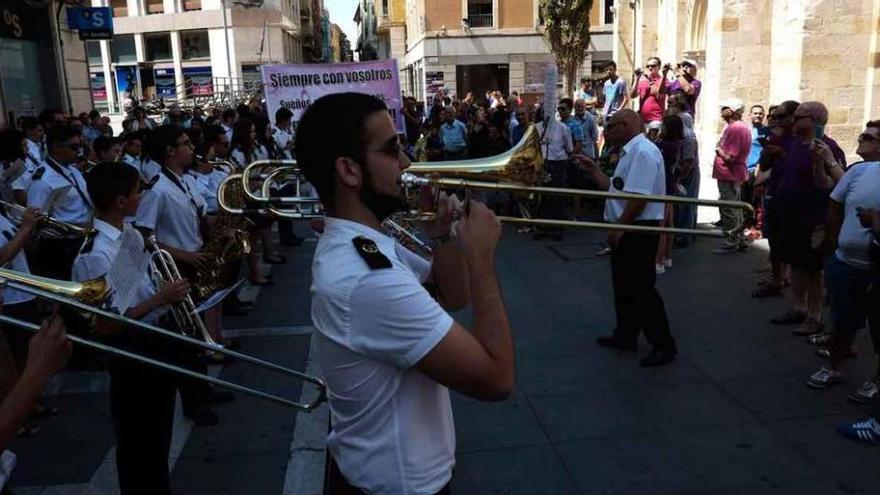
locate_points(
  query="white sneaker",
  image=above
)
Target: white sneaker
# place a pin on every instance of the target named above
(659, 268)
(824, 378)
(668, 263)
(868, 393)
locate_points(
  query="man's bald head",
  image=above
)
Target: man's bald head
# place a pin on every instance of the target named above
(813, 109)
(623, 126)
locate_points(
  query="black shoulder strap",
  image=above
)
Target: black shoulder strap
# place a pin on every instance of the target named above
(370, 253)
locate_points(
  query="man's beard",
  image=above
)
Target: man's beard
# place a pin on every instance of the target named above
(382, 205)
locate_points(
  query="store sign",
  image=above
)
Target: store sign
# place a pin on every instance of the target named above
(165, 85)
(98, 85)
(434, 86)
(93, 23)
(297, 86)
(200, 81)
(18, 22)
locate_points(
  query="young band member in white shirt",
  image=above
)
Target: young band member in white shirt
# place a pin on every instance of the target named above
(387, 349)
(141, 397)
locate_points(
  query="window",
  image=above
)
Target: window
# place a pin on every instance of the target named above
(189, 5)
(194, 45)
(155, 6)
(93, 51)
(158, 46)
(120, 8)
(122, 49)
(385, 9)
(609, 11)
(479, 13)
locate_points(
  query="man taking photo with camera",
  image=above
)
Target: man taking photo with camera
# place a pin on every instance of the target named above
(651, 88)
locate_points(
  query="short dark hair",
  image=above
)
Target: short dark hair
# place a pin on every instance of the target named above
(212, 132)
(659, 62)
(873, 124)
(160, 139)
(789, 106)
(59, 134)
(94, 114)
(567, 102)
(611, 65)
(10, 145)
(673, 128)
(757, 105)
(283, 114)
(228, 113)
(107, 181)
(133, 136)
(48, 115)
(28, 123)
(103, 143)
(317, 149)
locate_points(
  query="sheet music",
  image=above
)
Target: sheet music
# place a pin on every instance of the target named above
(56, 196)
(128, 269)
(218, 296)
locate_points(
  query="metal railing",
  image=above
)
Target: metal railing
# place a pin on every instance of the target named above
(479, 20)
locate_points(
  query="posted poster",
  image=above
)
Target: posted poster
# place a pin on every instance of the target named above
(296, 86)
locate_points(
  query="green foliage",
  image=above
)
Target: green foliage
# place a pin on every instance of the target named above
(567, 33)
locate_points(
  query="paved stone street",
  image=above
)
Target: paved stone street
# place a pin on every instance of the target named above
(731, 415)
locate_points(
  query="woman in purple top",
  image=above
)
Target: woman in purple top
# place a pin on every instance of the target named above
(670, 144)
(687, 85)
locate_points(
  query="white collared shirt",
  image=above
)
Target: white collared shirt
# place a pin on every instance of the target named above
(18, 263)
(392, 428)
(36, 150)
(556, 143)
(641, 171)
(283, 138)
(228, 130)
(173, 212)
(74, 206)
(23, 181)
(96, 257)
(207, 185)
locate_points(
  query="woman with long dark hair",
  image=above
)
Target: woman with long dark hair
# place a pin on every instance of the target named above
(670, 143)
(243, 143)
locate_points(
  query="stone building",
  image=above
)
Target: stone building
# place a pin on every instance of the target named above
(764, 51)
(482, 45)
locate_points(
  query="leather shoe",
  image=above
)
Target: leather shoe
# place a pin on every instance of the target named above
(657, 357)
(202, 416)
(614, 343)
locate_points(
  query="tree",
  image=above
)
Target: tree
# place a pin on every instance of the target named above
(567, 33)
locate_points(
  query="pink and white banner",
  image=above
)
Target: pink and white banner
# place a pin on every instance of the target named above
(296, 86)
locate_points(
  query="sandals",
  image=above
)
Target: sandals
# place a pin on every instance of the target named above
(821, 338)
(792, 317)
(767, 291)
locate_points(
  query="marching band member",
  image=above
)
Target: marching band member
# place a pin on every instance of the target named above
(172, 209)
(207, 177)
(54, 257)
(387, 349)
(35, 145)
(141, 397)
(282, 133)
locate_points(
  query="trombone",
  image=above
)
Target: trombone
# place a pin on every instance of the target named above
(519, 171)
(83, 296)
(49, 227)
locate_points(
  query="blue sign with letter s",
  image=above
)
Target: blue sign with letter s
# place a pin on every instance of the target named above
(92, 22)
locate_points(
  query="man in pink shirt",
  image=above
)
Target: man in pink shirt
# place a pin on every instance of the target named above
(730, 171)
(651, 88)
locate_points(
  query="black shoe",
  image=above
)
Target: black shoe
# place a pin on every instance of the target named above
(202, 416)
(220, 397)
(657, 357)
(614, 343)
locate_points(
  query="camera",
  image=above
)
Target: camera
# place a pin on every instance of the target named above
(638, 71)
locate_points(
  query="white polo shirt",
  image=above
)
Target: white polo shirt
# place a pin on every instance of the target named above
(639, 171)
(283, 139)
(18, 263)
(74, 206)
(171, 208)
(858, 188)
(207, 185)
(96, 257)
(392, 428)
(23, 181)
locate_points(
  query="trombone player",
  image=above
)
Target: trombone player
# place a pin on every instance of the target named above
(141, 397)
(388, 350)
(637, 304)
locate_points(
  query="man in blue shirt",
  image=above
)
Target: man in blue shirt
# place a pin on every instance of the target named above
(453, 133)
(759, 132)
(574, 126)
(589, 127)
(614, 92)
(754, 222)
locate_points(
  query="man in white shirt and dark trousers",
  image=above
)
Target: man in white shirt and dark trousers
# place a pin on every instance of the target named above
(54, 257)
(557, 146)
(141, 397)
(283, 135)
(387, 349)
(637, 303)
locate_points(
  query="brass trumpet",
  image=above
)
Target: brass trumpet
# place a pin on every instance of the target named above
(84, 296)
(519, 171)
(49, 227)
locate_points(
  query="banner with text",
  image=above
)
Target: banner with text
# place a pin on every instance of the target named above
(296, 86)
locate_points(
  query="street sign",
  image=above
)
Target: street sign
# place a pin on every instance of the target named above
(93, 23)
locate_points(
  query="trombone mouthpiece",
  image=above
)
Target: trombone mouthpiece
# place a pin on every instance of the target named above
(410, 180)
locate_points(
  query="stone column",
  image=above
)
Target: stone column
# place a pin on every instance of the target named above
(177, 57)
(517, 72)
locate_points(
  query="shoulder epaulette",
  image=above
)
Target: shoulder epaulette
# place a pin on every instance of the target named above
(153, 181)
(89, 242)
(38, 173)
(370, 253)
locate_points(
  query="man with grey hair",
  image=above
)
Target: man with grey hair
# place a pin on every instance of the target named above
(730, 171)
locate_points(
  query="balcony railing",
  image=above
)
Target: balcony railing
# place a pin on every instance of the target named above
(479, 20)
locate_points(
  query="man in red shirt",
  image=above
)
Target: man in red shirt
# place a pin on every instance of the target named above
(730, 171)
(651, 88)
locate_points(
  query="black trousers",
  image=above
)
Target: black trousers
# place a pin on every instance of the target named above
(336, 484)
(53, 258)
(553, 206)
(285, 225)
(637, 303)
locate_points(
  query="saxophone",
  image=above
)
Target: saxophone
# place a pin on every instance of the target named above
(226, 242)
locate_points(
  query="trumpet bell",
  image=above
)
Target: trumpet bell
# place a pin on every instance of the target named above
(522, 164)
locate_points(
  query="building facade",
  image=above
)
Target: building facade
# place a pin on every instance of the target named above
(340, 47)
(463, 46)
(367, 45)
(764, 52)
(178, 48)
(36, 70)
